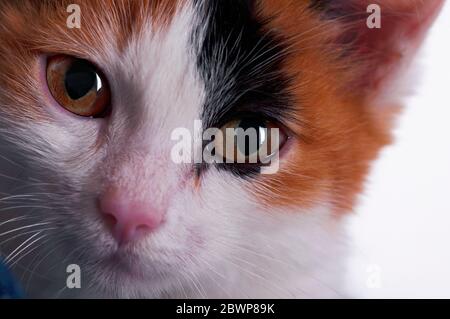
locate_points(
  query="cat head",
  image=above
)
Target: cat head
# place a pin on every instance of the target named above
(93, 107)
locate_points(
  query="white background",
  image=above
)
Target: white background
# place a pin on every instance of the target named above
(401, 229)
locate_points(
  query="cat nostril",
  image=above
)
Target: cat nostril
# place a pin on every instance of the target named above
(110, 220)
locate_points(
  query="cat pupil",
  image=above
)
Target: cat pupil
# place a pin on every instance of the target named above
(246, 146)
(80, 79)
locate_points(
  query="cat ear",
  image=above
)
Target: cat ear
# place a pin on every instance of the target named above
(379, 39)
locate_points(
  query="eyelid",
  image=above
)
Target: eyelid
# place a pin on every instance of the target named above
(240, 115)
(248, 114)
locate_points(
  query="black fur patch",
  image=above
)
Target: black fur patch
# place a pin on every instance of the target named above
(346, 10)
(240, 64)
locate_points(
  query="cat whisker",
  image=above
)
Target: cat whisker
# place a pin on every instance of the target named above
(24, 227)
(14, 219)
(24, 206)
(194, 280)
(11, 161)
(34, 271)
(23, 246)
(209, 268)
(25, 233)
(23, 253)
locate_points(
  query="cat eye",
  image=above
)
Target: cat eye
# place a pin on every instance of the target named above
(78, 86)
(250, 140)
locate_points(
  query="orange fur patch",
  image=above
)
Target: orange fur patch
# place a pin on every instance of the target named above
(29, 29)
(340, 131)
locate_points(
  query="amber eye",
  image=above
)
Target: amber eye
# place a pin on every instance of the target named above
(78, 86)
(250, 140)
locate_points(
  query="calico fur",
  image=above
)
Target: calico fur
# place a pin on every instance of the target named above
(313, 66)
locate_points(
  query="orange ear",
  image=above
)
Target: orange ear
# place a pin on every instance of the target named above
(381, 37)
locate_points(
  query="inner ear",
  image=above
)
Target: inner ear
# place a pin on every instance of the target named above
(378, 52)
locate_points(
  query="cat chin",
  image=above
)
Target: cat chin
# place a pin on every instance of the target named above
(137, 272)
(113, 281)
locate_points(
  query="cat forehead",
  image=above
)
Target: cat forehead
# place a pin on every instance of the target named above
(235, 55)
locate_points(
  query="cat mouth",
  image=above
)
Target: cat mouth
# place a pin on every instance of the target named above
(134, 267)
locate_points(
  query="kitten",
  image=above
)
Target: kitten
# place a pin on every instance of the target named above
(87, 117)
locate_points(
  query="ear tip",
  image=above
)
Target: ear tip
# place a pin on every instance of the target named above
(426, 13)
(423, 9)
(435, 8)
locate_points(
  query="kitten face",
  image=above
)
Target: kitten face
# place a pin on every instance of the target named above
(223, 230)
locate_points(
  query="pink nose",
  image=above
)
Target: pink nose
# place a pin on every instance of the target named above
(129, 220)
